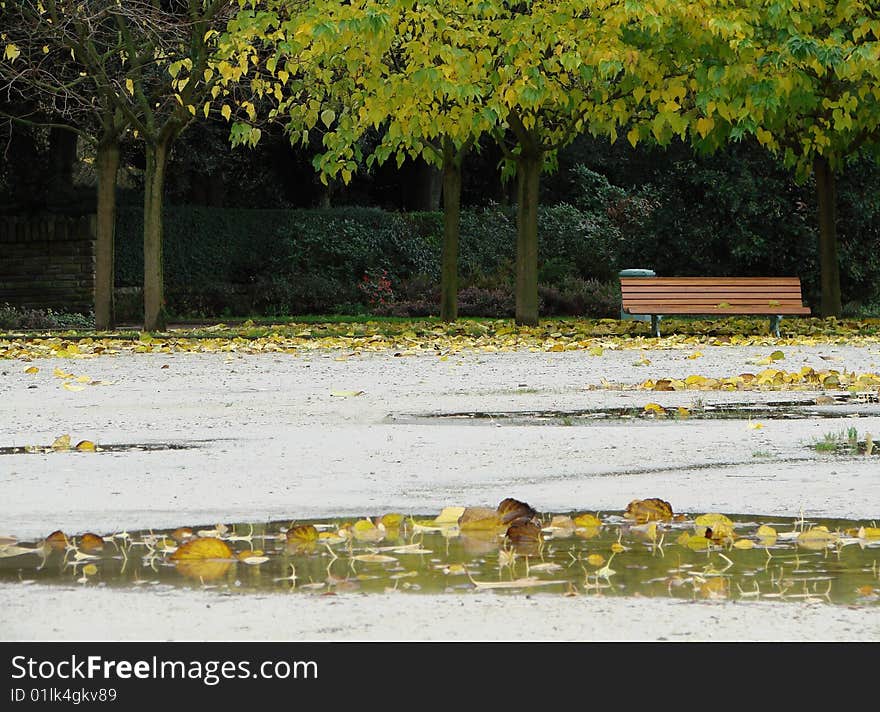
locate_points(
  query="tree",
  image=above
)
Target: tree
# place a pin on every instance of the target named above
(150, 66)
(369, 66)
(39, 70)
(804, 78)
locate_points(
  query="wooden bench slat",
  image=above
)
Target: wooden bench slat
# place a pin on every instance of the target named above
(711, 289)
(701, 296)
(711, 280)
(739, 309)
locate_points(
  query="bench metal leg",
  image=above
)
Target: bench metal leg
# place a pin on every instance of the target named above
(655, 325)
(774, 324)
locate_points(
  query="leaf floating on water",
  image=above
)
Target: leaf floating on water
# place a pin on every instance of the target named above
(391, 522)
(11, 550)
(56, 540)
(449, 515)
(365, 530)
(528, 582)
(743, 544)
(480, 519)
(86, 446)
(716, 527)
(303, 538)
(595, 560)
(817, 538)
(90, 542)
(869, 533)
(648, 510)
(561, 525)
(511, 511)
(202, 548)
(61, 443)
(587, 520)
(374, 558)
(90, 569)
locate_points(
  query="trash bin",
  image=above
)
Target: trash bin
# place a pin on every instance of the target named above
(635, 273)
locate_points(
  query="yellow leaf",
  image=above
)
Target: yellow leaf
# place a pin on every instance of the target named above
(480, 519)
(226, 112)
(743, 544)
(683, 412)
(32, 369)
(374, 558)
(869, 533)
(755, 426)
(596, 351)
(587, 520)
(129, 85)
(90, 569)
(346, 394)
(365, 530)
(11, 52)
(72, 387)
(86, 446)
(203, 548)
(633, 136)
(61, 443)
(817, 538)
(82, 379)
(58, 373)
(595, 560)
(449, 515)
(655, 408)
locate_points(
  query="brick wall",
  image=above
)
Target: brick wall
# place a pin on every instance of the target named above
(48, 261)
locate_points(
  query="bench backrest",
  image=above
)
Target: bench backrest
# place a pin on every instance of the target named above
(713, 294)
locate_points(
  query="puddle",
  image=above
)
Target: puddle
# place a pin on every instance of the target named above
(616, 558)
(841, 407)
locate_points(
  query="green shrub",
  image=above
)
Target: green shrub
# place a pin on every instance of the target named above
(23, 319)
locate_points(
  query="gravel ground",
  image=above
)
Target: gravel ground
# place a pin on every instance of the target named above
(269, 441)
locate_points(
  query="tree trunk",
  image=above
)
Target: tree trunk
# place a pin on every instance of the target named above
(826, 193)
(431, 181)
(528, 179)
(154, 288)
(452, 160)
(107, 164)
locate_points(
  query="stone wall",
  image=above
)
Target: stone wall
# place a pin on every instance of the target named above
(48, 261)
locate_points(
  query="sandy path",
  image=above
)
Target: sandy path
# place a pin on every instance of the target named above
(273, 443)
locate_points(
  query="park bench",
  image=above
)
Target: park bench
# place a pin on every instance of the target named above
(712, 296)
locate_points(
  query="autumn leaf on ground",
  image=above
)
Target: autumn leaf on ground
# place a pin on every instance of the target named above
(32, 369)
(346, 394)
(75, 387)
(61, 443)
(86, 446)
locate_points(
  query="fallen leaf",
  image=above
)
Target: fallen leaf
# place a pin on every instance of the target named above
(449, 515)
(646, 510)
(817, 538)
(86, 446)
(754, 426)
(72, 387)
(90, 542)
(56, 540)
(61, 443)
(202, 548)
(587, 520)
(302, 538)
(346, 394)
(595, 559)
(480, 519)
(32, 369)
(374, 558)
(511, 511)
(90, 569)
